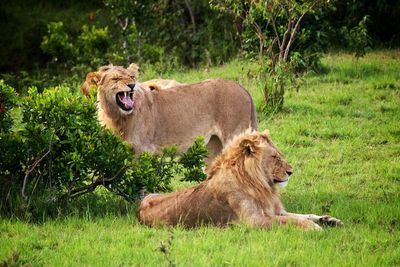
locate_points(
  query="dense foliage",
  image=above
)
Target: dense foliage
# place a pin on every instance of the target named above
(9, 142)
(60, 151)
(173, 32)
(200, 35)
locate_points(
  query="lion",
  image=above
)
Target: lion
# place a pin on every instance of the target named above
(241, 187)
(150, 120)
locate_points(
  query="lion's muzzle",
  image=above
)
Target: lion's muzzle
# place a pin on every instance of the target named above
(282, 183)
(132, 86)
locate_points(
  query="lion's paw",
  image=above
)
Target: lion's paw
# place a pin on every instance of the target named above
(330, 221)
(311, 226)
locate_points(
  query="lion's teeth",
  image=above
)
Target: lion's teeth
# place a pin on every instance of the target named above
(126, 94)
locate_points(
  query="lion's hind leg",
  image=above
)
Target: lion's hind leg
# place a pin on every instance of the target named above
(150, 212)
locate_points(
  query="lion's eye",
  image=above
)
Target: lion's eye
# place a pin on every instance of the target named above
(116, 78)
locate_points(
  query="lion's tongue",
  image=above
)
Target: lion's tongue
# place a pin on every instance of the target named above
(126, 101)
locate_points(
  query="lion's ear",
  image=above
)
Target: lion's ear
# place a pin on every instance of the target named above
(265, 135)
(266, 132)
(248, 147)
(92, 78)
(154, 86)
(134, 69)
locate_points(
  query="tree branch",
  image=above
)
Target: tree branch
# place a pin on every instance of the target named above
(123, 24)
(92, 186)
(292, 36)
(285, 36)
(28, 173)
(272, 56)
(294, 32)
(191, 15)
(275, 30)
(261, 39)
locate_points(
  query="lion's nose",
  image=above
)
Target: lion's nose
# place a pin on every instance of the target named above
(132, 86)
(289, 172)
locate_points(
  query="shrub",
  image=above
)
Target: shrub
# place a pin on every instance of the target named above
(57, 43)
(62, 126)
(62, 152)
(10, 144)
(193, 161)
(8, 100)
(359, 39)
(94, 44)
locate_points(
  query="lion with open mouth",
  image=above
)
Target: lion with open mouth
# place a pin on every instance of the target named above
(240, 188)
(152, 119)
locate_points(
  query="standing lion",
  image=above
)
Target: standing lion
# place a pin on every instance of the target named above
(152, 119)
(240, 188)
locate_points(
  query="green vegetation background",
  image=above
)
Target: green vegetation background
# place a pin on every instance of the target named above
(341, 133)
(24, 23)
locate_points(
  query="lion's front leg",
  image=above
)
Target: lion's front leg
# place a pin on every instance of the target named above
(300, 222)
(263, 221)
(324, 219)
(250, 214)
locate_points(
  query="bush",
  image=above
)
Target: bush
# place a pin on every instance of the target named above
(359, 39)
(10, 144)
(94, 44)
(61, 152)
(8, 100)
(57, 43)
(185, 32)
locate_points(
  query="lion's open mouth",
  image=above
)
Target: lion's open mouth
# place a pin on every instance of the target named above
(125, 100)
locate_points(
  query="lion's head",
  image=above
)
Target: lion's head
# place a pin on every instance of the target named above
(255, 158)
(117, 87)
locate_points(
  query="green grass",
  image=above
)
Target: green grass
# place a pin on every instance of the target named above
(341, 133)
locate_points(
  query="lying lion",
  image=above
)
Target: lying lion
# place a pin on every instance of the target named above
(152, 119)
(240, 188)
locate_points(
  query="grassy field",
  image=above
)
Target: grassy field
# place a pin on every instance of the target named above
(341, 133)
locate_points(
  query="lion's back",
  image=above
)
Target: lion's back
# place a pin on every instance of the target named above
(216, 102)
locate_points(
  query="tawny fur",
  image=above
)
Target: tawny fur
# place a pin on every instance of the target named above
(240, 188)
(216, 109)
(160, 84)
